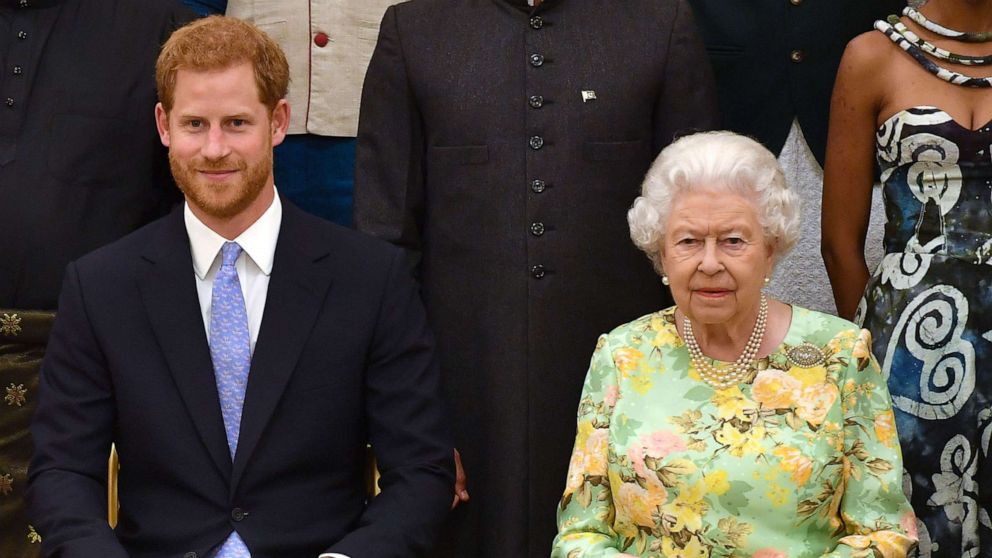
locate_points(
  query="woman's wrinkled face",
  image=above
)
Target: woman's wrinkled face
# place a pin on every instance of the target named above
(716, 256)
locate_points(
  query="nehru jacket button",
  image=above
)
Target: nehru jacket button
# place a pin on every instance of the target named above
(9, 102)
(321, 39)
(797, 56)
(190, 555)
(537, 186)
(18, 70)
(536, 60)
(536, 142)
(537, 272)
(536, 101)
(22, 35)
(537, 228)
(238, 514)
(537, 22)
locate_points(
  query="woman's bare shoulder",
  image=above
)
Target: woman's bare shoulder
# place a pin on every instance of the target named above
(868, 53)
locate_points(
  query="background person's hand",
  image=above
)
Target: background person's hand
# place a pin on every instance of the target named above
(461, 495)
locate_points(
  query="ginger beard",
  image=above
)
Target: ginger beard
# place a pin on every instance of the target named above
(221, 199)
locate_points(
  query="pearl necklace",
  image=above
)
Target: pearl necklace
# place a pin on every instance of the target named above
(739, 370)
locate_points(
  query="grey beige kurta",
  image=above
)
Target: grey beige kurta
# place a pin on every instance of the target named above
(503, 145)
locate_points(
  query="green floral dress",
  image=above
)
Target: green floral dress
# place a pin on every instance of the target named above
(801, 461)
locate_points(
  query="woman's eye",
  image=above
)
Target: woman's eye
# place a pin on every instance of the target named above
(734, 241)
(687, 242)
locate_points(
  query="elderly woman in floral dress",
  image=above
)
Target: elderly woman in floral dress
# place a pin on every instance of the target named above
(731, 425)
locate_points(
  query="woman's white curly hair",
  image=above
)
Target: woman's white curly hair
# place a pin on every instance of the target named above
(721, 162)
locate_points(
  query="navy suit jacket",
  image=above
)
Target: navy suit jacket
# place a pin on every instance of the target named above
(343, 357)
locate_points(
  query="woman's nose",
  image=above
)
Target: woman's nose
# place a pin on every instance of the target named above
(710, 263)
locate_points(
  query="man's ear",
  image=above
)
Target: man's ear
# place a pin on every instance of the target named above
(280, 122)
(162, 123)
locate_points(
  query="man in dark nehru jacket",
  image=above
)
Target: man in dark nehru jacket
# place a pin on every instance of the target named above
(80, 165)
(239, 353)
(502, 143)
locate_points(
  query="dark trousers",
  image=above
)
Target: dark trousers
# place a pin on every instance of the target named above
(317, 173)
(23, 336)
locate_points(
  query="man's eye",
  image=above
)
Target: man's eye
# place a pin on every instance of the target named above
(194, 123)
(238, 122)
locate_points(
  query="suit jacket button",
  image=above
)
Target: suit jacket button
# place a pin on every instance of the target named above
(238, 514)
(536, 101)
(190, 555)
(537, 228)
(536, 22)
(536, 60)
(536, 142)
(797, 56)
(537, 185)
(537, 271)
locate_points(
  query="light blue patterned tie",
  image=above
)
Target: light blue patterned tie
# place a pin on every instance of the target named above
(230, 350)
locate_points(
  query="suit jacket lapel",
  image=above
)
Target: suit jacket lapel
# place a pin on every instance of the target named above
(297, 288)
(168, 290)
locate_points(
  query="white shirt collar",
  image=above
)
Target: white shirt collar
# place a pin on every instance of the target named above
(258, 241)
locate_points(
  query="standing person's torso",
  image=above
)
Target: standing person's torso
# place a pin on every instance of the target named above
(81, 164)
(537, 130)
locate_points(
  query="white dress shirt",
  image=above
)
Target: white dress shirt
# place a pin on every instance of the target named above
(254, 265)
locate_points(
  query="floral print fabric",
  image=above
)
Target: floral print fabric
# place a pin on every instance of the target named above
(928, 305)
(799, 462)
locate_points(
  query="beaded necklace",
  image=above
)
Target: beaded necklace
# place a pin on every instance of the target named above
(937, 52)
(929, 65)
(963, 36)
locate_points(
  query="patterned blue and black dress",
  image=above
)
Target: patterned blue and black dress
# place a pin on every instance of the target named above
(929, 307)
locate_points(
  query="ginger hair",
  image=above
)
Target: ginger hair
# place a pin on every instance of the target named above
(217, 43)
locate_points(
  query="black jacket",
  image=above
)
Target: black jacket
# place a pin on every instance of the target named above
(504, 148)
(776, 60)
(80, 161)
(343, 357)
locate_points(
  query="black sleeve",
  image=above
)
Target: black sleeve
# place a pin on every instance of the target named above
(72, 431)
(408, 430)
(389, 176)
(687, 102)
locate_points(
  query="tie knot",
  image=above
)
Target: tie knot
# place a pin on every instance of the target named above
(231, 251)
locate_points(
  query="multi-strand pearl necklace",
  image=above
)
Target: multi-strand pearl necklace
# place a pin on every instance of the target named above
(739, 370)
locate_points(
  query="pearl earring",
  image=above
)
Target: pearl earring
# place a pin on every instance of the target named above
(768, 280)
(664, 280)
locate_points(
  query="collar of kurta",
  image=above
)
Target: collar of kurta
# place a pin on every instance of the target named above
(28, 4)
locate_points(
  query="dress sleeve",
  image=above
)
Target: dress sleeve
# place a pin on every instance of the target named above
(876, 516)
(586, 512)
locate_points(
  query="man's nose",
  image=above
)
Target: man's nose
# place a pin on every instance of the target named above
(216, 146)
